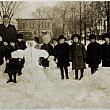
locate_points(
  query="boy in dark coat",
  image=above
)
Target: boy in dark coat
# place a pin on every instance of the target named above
(93, 53)
(8, 50)
(55, 48)
(48, 47)
(77, 56)
(62, 55)
(106, 51)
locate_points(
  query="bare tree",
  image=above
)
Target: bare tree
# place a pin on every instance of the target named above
(9, 8)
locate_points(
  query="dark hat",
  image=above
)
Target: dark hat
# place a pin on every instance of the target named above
(92, 36)
(106, 35)
(5, 16)
(36, 39)
(61, 37)
(75, 35)
(19, 36)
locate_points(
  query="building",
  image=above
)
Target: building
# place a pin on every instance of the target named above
(34, 27)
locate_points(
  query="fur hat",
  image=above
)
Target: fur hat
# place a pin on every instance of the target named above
(19, 36)
(75, 35)
(61, 37)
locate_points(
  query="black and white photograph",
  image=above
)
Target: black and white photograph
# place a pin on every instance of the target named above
(54, 54)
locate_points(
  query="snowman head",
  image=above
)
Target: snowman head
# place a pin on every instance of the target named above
(30, 43)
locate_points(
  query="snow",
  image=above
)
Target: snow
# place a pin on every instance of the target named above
(43, 88)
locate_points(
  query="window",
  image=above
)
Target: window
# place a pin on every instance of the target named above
(32, 26)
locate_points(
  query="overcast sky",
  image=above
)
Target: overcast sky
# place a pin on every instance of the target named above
(29, 7)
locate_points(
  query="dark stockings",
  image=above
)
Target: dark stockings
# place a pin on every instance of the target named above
(62, 69)
(76, 74)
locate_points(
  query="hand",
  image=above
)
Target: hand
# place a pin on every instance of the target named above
(19, 60)
(56, 61)
(7, 61)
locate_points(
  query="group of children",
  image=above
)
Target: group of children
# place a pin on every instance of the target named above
(63, 54)
(79, 56)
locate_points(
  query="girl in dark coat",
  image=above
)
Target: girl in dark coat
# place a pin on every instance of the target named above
(77, 55)
(20, 44)
(93, 53)
(106, 51)
(62, 55)
(49, 48)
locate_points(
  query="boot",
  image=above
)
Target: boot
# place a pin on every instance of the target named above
(10, 80)
(14, 78)
(76, 74)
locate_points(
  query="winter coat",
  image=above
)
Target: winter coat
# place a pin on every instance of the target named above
(62, 54)
(77, 56)
(55, 49)
(105, 55)
(8, 33)
(8, 50)
(49, 49)
(15, 65)
(93, 54)
(21, 45)
(2, 53)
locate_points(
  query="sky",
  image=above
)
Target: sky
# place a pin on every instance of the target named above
(31, 6)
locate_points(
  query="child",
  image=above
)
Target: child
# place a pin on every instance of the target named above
(20, 45)
(20, 42)
(62, 55)
(78, 56)
(106, 51)
(55, 44)
(48, 47)
(9, 61)
(93, 53)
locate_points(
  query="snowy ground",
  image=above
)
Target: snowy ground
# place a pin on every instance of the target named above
(93, 91)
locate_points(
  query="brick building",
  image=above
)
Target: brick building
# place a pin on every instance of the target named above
(34, 27)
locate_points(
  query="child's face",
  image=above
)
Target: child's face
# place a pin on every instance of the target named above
(46, 40)
(93, 40)
(55, 42)
(61, 41)
(107, 40)
(19, 40)
(5, 43)
(75, 39)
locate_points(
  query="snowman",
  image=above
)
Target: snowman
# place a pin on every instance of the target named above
(32, 71)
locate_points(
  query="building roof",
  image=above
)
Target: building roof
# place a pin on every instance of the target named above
(33, 19)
